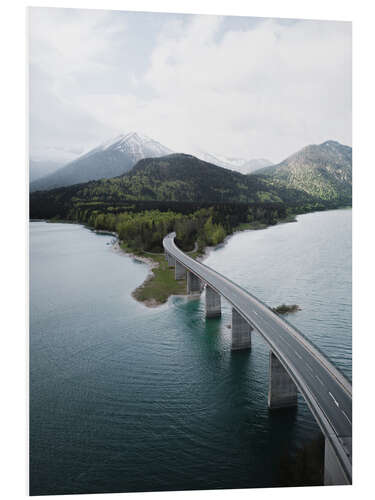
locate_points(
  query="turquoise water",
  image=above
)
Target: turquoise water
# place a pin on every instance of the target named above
(126, 398)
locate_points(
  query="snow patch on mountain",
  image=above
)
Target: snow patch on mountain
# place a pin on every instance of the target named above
(133, 144)
(113, 158)
(238, 164)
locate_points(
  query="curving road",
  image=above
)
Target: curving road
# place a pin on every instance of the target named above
(326, 391)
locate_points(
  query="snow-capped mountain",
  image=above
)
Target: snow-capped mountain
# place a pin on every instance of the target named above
(119, 154)
(136, 146)
(238, 164)
(110, 159)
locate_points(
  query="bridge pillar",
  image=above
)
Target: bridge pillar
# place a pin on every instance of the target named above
(180, 271)
(241, 332)
(282, 391)
(171, 260)
(193, 283)
(213, 303)
(333, 472)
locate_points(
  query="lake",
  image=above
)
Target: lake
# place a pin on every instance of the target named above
(127, 398)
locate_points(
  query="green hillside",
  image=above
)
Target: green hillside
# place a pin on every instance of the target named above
(176, 177)
(176, 192)
(323, 171)
(201, 202)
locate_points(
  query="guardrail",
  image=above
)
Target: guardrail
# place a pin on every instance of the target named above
(316, 409)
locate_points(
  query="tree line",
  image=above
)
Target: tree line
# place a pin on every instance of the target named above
(142, 224)
(145, 230)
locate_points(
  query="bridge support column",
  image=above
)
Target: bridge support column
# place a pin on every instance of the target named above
(241, 332)
(171, 260)
(193, 283)
(180, 271)
(213, 303)
(333, 472)
(282, 391)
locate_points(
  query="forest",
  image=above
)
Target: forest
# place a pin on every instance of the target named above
(145, 230)
(201, 202)
(143, 224)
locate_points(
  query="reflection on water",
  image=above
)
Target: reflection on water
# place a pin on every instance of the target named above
(125, 398)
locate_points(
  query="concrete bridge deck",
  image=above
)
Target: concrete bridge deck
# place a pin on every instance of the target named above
(326, 391)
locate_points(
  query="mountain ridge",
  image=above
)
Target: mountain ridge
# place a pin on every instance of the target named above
(236, 164)
(175, 178)
(117, 155)
(321, 170)
(41, 168)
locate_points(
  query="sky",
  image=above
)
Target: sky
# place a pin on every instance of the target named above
(235, 86)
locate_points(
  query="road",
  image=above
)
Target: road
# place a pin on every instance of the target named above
(326, 391)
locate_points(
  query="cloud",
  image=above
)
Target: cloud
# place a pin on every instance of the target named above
(259, 90)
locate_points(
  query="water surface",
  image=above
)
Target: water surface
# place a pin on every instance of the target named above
(126, 398)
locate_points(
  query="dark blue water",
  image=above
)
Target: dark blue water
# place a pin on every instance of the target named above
(126, 398)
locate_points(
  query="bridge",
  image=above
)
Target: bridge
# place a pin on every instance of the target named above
(295, 364)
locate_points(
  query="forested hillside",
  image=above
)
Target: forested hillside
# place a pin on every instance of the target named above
(178, 177)
(200, 201)
(323, 171)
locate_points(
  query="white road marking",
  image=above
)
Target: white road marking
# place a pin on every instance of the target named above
(309, 367)
(336, 403)
(347, 418)
(228, 285)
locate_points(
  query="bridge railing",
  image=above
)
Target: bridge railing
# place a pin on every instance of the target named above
(309, 397)
(314, 350)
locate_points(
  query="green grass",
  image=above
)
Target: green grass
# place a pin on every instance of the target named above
(262, 225)
(250, 225)
(160, 285)
(288, 218)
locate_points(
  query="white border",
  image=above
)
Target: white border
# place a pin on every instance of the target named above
(14, 230)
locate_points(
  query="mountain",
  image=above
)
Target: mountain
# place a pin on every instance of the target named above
(237, 164)
(323, 171)
(41, 168)
(181, 177)
(316, 177)
(171, 178)
(255, 164)
(110, 159)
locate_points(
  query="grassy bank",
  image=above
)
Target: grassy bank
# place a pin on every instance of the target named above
(262, 225)
(160, 284)
(203, 228)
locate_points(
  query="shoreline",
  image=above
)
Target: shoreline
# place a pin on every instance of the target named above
(151, 263)
(255, 227)
(160, 284)
(154, 264)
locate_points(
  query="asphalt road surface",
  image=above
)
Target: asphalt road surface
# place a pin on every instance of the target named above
(325, 389)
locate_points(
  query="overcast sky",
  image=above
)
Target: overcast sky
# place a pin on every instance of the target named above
(236, 86)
